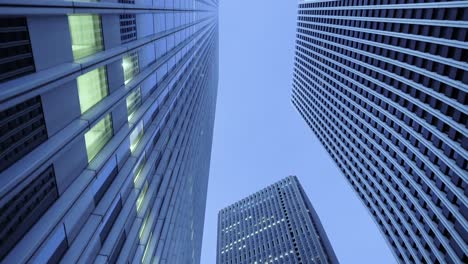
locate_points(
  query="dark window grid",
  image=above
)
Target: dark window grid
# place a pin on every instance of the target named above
(16, 58)
(358, 114)
(20, 213)
(410, 45)
(128, 29)
(357, 186)
(437, 50)
(437, 32)
(426, 13)
(22, 129)
(410, 119)
(348, 135)
(457, 136)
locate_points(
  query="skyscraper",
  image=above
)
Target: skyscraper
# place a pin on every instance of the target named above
(275, 225)
(106, 118)
(383, 85)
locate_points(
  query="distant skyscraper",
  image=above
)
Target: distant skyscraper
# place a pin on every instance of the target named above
(383, 85)
(275, 225)
(106, 121)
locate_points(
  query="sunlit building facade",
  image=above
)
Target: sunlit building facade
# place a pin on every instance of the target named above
(275, 225)
(383, 85)
(106, 119)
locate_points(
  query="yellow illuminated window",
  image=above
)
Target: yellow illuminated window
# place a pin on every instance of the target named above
(98, 136)
(86, 35)
(138, 168)
(135, 136)
(92, 88)
(141, 197)
(130, 66)
(133, 102)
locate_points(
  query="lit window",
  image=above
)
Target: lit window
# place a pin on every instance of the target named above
(138, 168)
(130, 66)
(133, 102)
(135, 136)
(141, 197)
(92, 88)
(86, 35)
(98, 136)
(142, 230)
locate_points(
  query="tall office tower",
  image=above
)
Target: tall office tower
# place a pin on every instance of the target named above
(106, 120)
(275, 225)
(383, 85)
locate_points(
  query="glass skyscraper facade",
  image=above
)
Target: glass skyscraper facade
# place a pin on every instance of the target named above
(383, 85)
(275, 225)
(106, 120)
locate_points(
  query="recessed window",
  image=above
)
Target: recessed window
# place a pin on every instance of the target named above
(128, 30)
(16, 58)
(92, 88)
(98, 136)
(141, 197)
(136, 136)
(86, 35)
(133, 102)
(130, 66)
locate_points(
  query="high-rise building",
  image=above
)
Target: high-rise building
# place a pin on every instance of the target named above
(274, 225)
(383, 85)
(106, 123)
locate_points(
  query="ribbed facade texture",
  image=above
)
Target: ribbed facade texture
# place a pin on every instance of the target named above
(383, 85)
(275, 225)
(106, 124)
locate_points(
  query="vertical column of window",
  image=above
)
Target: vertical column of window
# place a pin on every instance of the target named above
(16, 58)
(21, 212)
(98, 136)
(136, 136)
(92, 88)
(86, 35)
(130, 66)
(133, 102)
(128, 29)
(22, 128)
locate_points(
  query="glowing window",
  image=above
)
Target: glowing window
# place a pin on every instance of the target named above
(98, 136)
(86, 35)
(130, 66)
(133, 102)
(92, 88)
(136, 136)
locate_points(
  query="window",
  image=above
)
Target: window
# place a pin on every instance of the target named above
(135, 136)
(36, 197)
(98, 136)
(22, 129)
(133, 102)
(16, 58)
(141, 197)
(92, 88)
(130, 66)
(86, 35)
(128, 30)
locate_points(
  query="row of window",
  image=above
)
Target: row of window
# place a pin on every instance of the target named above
(343, 148)
(417, 13)
(370, 3)
(16, 58)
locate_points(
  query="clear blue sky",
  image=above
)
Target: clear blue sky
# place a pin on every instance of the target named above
(259, 138)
